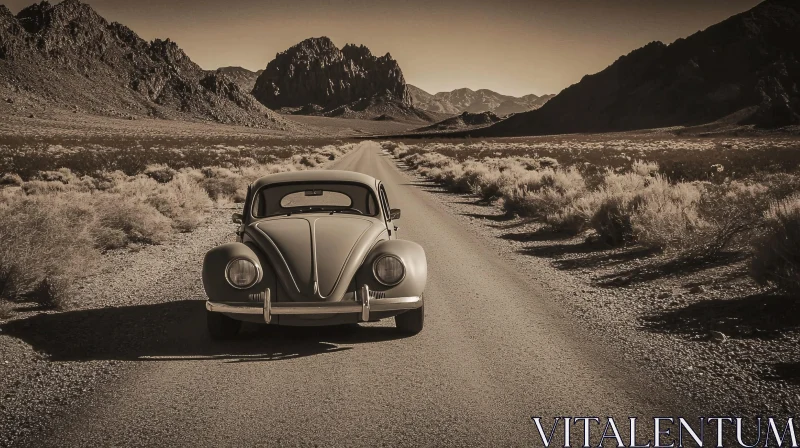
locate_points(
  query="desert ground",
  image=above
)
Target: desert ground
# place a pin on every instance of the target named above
(535, 304)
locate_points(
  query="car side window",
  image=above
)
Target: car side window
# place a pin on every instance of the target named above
(385, 204)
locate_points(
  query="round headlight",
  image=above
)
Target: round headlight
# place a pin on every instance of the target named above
(389, 270)
(242, 273)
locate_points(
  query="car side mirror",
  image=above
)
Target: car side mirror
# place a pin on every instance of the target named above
(237, 218)
(394, 213)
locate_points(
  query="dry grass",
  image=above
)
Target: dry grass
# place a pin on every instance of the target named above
(678, 158)
(697, 214)
(776, 260)
(55, 221)
(47, 246)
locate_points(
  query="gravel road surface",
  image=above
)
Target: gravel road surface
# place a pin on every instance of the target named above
(498, 347)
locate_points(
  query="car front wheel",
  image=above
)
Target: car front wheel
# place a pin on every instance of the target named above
(412, 321)
(221, 326)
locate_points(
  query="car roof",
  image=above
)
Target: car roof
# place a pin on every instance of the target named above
(316, 176)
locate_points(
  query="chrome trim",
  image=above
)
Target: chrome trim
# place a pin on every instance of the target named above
(365, 303)
(361, 306)
(259, 272)
(267, 306)
(375, 274)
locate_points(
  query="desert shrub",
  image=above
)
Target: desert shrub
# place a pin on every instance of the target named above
(252, 173)
(138, 187)
(45, 248)
(642, 168)
(666, 215)
(781, 185)
(139, 222)
(397, 150)
(612, 205)
(182, 200)
(329, 152)
(305, 160)
(160, 173)
(548, 162)
(634, 208)
(776, 258)
(43, 187)
(733, 213)
(491, 184)
(222, 187)
(107, 180)
(612, 220)
(63, 175)
(221, 182)
(11, 179)
(543, 193)
(576, 216)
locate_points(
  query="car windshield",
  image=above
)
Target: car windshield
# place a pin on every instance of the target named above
(303, 197)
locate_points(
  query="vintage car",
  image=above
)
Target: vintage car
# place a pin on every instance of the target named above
(315, 248)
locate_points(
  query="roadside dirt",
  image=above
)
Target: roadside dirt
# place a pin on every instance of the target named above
(705, 329)
(53, 360)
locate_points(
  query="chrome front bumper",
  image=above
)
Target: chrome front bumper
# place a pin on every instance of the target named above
(363, 306)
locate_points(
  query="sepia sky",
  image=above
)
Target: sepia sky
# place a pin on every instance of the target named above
(514, 47)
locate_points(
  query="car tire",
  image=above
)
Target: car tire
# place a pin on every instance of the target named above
(222, 327)
(411, 322)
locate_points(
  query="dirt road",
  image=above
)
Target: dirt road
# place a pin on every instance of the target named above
(497, 349)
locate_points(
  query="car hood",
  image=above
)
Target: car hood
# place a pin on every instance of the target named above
(315, 257)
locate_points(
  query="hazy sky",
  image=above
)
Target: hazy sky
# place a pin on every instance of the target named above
(514, 47)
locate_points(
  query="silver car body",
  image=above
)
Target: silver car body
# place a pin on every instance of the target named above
(315, 268)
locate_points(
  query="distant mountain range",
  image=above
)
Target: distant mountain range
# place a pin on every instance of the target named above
(474, 101)
(467, 120)
(742, 71)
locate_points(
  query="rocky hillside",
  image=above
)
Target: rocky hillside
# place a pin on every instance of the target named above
(66, 56)
(466, 120)
(466, 100)
(315, 74)
(243, 77)
(744, 70)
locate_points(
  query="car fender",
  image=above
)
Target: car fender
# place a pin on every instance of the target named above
(216, 261)
(416, 268)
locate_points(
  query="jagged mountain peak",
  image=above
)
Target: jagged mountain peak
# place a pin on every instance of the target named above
(316, 72)
(69, 57)
(41, 16)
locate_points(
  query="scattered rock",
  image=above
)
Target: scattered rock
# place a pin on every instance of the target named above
(697, 289)
(718, 336)
(664, 295)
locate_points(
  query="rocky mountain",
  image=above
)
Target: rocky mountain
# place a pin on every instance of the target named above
(467, 120)
(66, 56)
(467, 100)
(244, 78)
(744, 70)
(315, 76)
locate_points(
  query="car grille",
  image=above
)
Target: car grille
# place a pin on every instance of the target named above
(377, 294)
